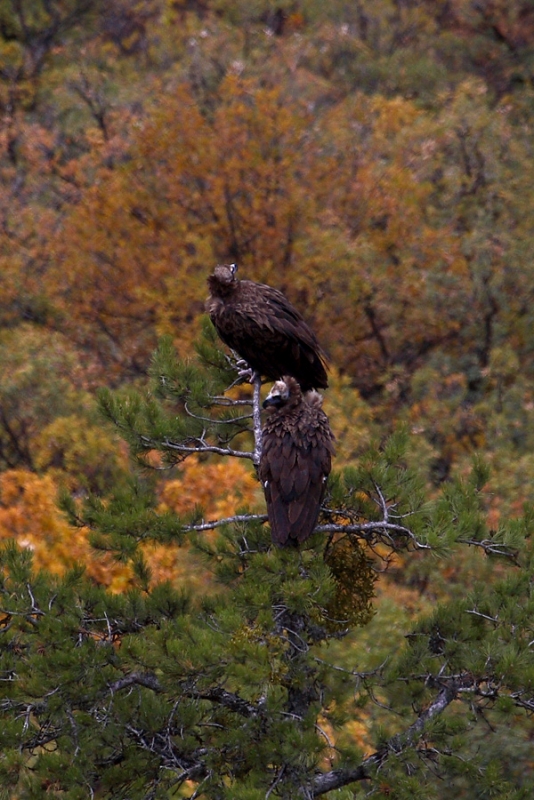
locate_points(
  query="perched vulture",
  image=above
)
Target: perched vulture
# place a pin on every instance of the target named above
(297, 451)
(262, 326)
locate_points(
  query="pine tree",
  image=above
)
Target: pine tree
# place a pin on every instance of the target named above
(255, 688)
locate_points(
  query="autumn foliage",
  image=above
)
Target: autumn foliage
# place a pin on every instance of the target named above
(372, 160)
(373, 164)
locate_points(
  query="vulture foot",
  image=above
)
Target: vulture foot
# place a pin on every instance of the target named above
(245, 372)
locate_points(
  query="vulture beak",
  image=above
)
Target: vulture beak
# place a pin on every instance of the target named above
(278, 395)
(272, 400)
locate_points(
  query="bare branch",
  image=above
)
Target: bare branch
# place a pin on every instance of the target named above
(145, 679)
(375, 527)
(381, 501)
(256, 416)
(220, 400)
(216, 523)
(228, 700)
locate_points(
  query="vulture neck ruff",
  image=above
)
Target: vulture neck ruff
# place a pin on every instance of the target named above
(222, 288)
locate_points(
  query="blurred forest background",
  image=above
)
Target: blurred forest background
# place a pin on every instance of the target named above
(373, 159)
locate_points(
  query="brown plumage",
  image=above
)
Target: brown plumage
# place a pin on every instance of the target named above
(296, 459)
(262, 326)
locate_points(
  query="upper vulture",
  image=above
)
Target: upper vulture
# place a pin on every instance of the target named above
(296, 458)
(262, 326)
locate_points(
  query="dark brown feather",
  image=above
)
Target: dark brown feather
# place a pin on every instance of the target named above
(297, 451)
(262, 326)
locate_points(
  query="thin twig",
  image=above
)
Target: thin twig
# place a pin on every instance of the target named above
(495, 548)
(484, 616)
(216, 421)
(275, 783)
(352, 672)
(201, 447)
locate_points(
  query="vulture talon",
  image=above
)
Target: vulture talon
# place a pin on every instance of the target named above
(246, 375)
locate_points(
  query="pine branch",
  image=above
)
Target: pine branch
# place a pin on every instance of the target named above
(200, 445)
(379, 526)
(216, 695)
(337, 778)
(491, 547)
(191, 765)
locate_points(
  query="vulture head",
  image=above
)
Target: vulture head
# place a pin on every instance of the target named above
(223, 280)
(285, 394)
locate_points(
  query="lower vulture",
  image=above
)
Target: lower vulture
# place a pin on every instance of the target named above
(297, 450)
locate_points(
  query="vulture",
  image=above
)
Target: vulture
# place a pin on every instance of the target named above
(262, 326)
(297, 450)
